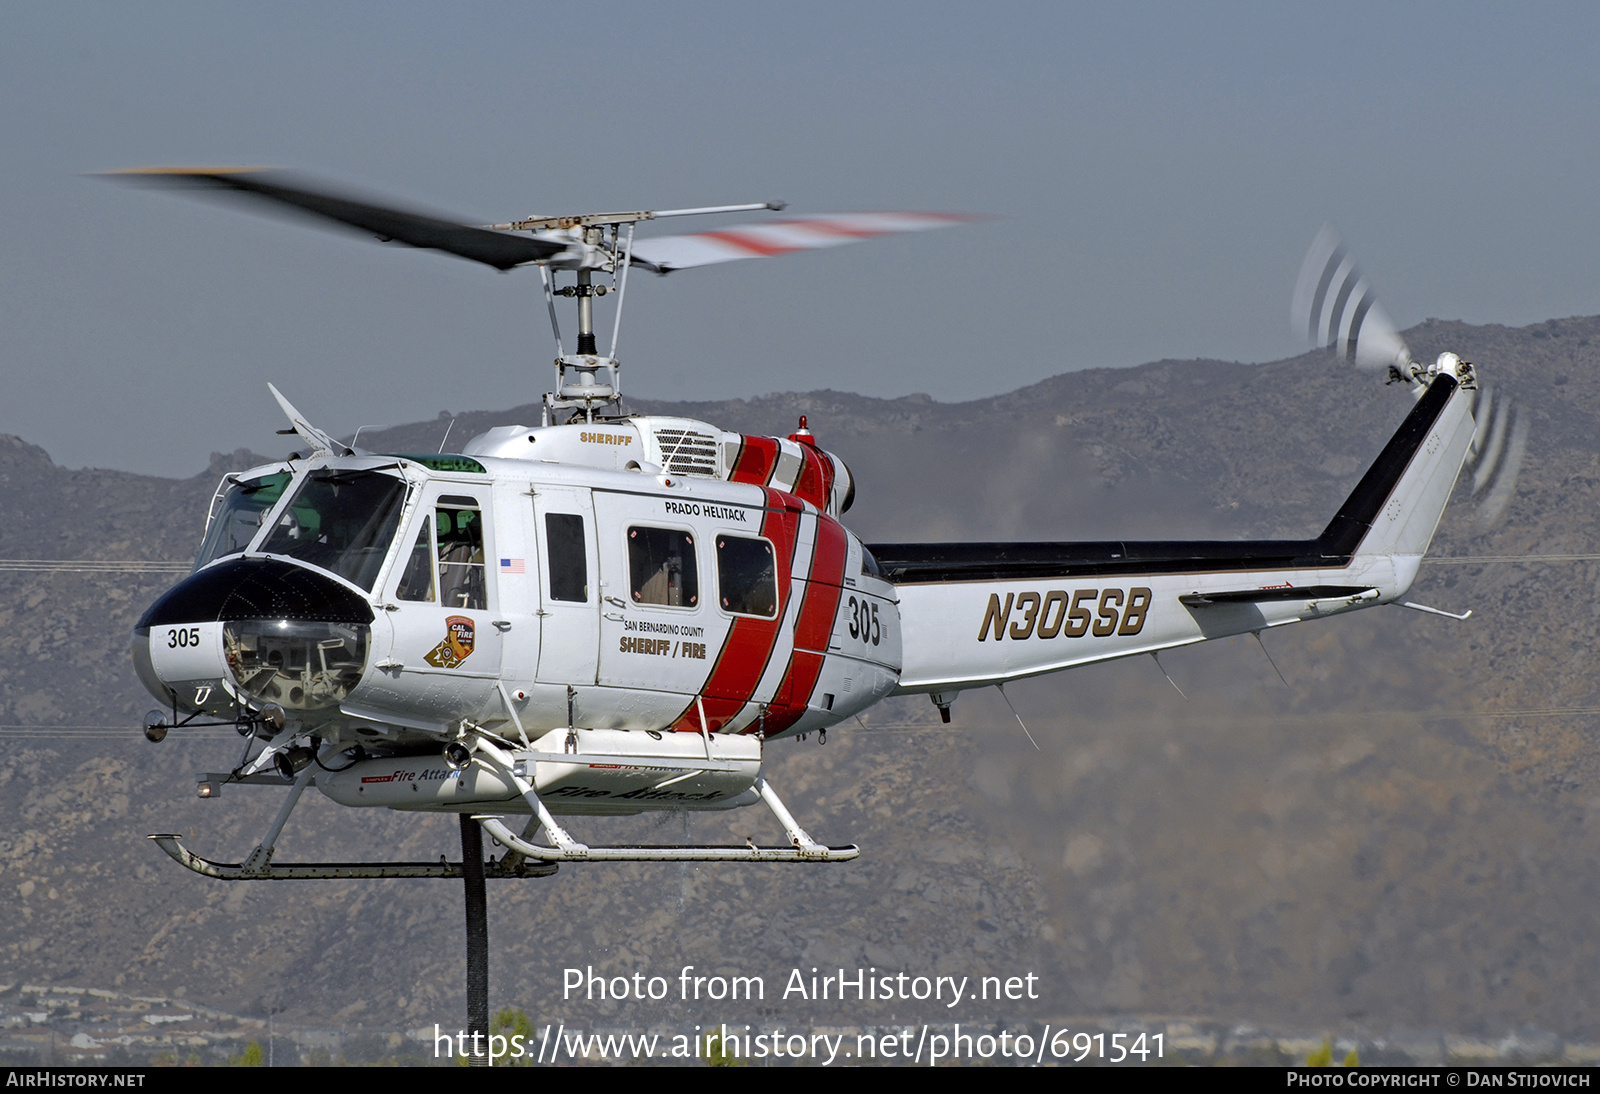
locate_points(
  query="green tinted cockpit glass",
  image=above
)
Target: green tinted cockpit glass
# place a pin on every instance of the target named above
(239, 518)
(342, 522)
(444, 462)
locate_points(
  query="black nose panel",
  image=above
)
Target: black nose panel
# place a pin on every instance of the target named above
(257, 588)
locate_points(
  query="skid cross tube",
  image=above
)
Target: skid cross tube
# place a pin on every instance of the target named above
(567, 849)
(258, 865)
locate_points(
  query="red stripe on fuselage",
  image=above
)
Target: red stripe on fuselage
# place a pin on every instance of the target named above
(821, 604)
(816, 476)
(814, 627)
(757, 457)
(747, 649)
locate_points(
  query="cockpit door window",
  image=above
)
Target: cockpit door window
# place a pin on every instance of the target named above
(416, 580)
(458, 533)
(446, 564)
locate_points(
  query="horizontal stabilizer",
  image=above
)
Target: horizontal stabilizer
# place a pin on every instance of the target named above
(1285, 592)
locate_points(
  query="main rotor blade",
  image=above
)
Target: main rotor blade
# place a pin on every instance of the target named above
(498, 249)
(664, 254)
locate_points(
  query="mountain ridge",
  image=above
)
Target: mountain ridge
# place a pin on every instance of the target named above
(1385, 844)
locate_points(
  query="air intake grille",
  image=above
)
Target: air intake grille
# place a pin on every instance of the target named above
(688, 452)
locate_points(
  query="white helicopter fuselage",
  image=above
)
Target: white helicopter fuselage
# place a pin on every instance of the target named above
(633, 608)
(614, 584)
(614, 614)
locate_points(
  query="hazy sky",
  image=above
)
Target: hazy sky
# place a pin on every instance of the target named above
(1156, 173)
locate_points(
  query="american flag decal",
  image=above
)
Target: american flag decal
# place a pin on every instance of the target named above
(513, 566)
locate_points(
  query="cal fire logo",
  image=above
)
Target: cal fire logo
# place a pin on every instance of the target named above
(457, 644)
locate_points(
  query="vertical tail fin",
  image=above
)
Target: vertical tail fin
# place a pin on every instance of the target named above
(1398, 503)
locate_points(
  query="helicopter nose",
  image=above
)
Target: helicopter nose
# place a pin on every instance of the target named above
(250, 632)
(183, 667)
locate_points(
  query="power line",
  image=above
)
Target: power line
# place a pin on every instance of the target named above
(93, 566)
(1348, 717)
(129, 729)
(1474, 560)
(155, 566)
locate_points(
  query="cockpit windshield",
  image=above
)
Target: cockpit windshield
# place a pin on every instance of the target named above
(239, 519)
(342, 522)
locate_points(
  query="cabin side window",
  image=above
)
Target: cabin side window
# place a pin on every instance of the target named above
(747, 578)
(661, 567)
(568, 557)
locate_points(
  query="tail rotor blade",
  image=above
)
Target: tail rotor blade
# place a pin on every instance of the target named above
(1500, 494)
(1482, 413)
(1322, 262)
(1489, 441)
(1336, 307)
(1499, 444)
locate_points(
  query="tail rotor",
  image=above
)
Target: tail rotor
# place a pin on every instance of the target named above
(1495, 459)
(1334, 306)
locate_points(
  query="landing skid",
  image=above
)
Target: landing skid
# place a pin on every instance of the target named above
(523, 858)
(260, 867)
(579, 852)
(295, 871)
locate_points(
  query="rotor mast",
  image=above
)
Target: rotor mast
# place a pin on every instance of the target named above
(588, 382)
(585, 380)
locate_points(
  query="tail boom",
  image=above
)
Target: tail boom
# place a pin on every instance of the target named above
(978, 614)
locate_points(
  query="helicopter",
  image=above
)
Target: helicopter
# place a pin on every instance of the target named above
(610, 613)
